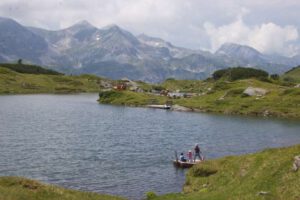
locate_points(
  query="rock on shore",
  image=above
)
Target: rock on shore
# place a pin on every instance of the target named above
(181, 108)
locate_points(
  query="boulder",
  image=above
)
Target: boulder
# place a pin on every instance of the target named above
(263, 193)
(251, 91)
(296, 164)
(180, 108)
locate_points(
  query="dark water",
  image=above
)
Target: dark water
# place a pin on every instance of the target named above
(72, 141)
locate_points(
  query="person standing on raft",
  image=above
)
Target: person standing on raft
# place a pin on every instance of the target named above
(197, 152)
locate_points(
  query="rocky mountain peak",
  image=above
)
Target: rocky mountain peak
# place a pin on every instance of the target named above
(16, 41)
(81, 25)
(3, 19)
(113, 27)
(145, 37)
(238, 51)
(9, 23)
(115, 52)
(118, 35)
(153, 41)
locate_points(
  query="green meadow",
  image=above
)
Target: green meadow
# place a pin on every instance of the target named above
(13, 82)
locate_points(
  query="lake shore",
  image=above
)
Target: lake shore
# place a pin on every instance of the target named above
(279, 102)
(233, 91)
(280, 99)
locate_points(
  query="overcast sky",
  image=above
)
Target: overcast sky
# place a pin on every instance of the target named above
(271, 26)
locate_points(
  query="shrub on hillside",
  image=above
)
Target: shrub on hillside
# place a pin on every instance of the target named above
(109, 94)
(221, 86)
(238, 73)
(289, 79)
(158, 87)
(220, 73)
(151, 195)
(274, 76)
(203, 170)
(170, 79)
(265, 79)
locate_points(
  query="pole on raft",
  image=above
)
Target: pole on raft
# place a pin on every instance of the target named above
(176, 156)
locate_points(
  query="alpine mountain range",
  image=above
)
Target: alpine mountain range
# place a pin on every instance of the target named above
(115, 53)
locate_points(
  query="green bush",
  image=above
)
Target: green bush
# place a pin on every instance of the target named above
(289, 79)
(170, 79)
(238, 73)
(220, 73)
(158, 87)
(221, 86)
(109, 94)
(264, 79)
(150, 195)
(203, 170)
(274, 76)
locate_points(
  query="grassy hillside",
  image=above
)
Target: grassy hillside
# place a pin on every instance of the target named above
(28, 69)
(223, 97)
(293, 74)
(16, 188)
(263, 175)
(12, 82)
(227, 97)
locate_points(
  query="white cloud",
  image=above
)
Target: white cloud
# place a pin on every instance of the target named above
(268, 38)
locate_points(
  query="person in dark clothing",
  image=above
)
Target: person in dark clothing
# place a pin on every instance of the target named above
(197, 152)
(182, 158)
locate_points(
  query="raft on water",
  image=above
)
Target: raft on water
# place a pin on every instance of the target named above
(181, 164)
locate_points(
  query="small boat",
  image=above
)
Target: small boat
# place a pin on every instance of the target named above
(178, 163)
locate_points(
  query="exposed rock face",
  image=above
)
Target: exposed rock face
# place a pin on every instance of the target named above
(251, 91)
(181, 108)
(296, 164)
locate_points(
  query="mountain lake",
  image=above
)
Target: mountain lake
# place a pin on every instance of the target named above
(75, 142)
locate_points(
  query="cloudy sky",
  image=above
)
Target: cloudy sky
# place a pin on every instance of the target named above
(271, 26)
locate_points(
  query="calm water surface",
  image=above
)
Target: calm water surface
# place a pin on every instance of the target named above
(72, 141)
